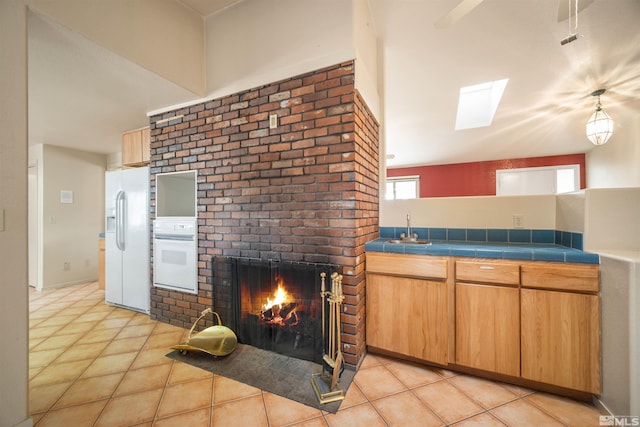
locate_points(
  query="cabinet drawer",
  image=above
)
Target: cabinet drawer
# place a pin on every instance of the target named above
(488, 271)
(407, 265)
(560, 276)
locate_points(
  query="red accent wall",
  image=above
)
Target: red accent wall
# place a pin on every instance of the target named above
(478, 178)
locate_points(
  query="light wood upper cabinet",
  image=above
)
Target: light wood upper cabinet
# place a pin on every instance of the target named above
(488, 328)
(136, 147)
(408, 316)
(146, 144)
(561, 339)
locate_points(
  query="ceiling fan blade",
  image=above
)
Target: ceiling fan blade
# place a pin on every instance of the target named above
(568, 7)
(457, 13)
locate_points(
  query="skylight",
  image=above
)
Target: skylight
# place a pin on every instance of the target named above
(478, 104)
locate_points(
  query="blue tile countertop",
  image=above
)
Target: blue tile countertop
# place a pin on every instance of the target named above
(521, 251)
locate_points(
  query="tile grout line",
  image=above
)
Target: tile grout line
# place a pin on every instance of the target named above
(148, 336)
(108, 399)
(409, 389)
(45, 413)
(544, 411)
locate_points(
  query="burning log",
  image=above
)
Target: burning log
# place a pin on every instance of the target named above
(292, 319)
(267, 315)
(287, 309)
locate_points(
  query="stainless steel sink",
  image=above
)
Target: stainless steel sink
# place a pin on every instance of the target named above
(410, 241)
(410, 238)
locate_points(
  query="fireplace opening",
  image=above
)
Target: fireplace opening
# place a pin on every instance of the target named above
(273, 305)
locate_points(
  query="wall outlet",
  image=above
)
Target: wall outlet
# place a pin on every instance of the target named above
(518, 221)
(66, 266)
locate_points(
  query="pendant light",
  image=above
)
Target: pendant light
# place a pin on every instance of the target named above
(600, 125)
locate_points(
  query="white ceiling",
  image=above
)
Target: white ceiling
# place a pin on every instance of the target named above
(546, 102)
(83, 96)
(208, 7)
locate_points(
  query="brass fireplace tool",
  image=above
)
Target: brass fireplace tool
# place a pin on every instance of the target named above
(325, 383)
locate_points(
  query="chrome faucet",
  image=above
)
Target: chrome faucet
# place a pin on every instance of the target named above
(409, 236)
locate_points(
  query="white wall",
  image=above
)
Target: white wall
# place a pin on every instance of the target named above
(471, 212)
(163, 36)
(366, 45)
(617, 163)
(70, 230)
(620, 296)
(611, 219)
(261, 41)
(14, 327)
(570, 212)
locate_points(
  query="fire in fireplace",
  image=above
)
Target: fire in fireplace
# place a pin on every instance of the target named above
(282, 309)
(274, 305)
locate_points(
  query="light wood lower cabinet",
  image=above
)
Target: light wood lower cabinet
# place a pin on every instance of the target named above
(408, 316)
(488, 328)
(530, 320)
(561, 339)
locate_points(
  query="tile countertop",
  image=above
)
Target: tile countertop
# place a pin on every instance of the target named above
(521, 251)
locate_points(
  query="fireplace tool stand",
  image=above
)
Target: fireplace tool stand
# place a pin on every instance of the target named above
(325, 384)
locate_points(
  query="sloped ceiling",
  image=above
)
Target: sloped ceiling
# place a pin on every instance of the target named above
(546, 103)
(83, 96)
(208, 7)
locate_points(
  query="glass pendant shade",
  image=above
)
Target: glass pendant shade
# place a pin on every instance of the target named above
(600, 125)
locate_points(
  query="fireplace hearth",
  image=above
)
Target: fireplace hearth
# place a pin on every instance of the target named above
(273, 305)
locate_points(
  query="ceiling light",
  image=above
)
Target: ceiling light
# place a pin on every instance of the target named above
(600, 125)
(478, 104)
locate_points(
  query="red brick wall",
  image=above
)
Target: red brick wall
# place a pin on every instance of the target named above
(305, 191)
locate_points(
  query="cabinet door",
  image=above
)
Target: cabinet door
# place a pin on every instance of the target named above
(408, 316)
(145, 145)
(561, 339)
(132, 147)
(488, 328)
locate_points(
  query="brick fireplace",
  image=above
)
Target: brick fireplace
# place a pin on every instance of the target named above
(305, 191)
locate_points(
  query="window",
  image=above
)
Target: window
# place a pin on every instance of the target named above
(542, 180)
(478, 104)
(407, 187)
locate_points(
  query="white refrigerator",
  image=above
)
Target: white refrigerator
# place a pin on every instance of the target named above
(127, 239)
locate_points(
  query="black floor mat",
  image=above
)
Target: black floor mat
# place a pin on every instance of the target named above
(269, 371)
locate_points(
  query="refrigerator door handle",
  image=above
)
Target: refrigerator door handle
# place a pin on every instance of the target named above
(119, 220)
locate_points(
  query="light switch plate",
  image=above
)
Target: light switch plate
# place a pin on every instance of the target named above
(273, 121)
(518, 221)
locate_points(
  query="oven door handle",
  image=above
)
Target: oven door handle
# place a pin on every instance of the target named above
(174, 237)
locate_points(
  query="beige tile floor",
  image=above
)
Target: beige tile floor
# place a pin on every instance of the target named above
(96, 365)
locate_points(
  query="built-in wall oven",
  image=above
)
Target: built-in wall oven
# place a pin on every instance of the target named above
(175, 254)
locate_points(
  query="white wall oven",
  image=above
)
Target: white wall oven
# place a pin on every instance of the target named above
(175, 254)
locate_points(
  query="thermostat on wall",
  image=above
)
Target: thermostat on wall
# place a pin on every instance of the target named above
(66, 196)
